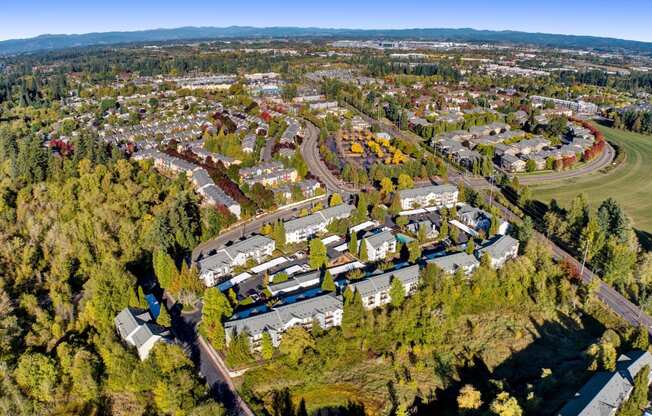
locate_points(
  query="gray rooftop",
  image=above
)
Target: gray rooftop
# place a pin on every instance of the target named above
(294, 281)
(378, 239)
(605, 391)
(417, 192)
(325, 215)
(453, 262)
(499, 248)
(281, 316)
(382, 282)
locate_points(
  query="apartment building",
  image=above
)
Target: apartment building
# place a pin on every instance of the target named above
(500, 250)
(137, 328)
(380, 245)
(428, 196)
(326, 310)
(222, 263)
(454, 262)
(301, 229)
(374, 290)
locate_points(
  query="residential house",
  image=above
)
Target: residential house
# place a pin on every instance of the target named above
(248, 143)
(428, 196)
(374, 290)
(137, 328)
(500, 250)
(326, 310)
(512, 163)
(302, 281)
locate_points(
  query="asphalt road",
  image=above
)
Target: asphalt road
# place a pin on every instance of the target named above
(310, 153)
(211, 366)
(250, 227)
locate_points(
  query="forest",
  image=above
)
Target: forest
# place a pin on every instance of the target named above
(76, 234)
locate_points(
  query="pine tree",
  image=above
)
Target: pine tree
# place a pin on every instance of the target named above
(470, 247)
(642, 340)
(364, 256)
(327, 284)
(353, 244)
(164, 318)
(302, 411)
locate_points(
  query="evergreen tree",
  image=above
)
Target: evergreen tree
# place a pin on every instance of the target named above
(642, 339)
(302, 411)
(163, 318)
(318, 255)
(327, 283)
(364, 256)
(470, 247)
(396, 292)
(353, 243)
(216, 309)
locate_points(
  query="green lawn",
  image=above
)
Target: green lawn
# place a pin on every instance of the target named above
(630, 183)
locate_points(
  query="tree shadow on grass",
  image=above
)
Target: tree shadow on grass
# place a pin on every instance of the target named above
(543, 376)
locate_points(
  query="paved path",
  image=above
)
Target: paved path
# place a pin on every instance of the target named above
(249, 227)
(310, 153)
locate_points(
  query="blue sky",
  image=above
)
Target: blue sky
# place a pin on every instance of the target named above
(627, 19)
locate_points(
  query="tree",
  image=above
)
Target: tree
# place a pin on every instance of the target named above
(302, 411)
(469, 398)
(405, 181)
(278, 234)
(386, 186)
(318, 255)
(530, 165)
(357, 148)
(336, 199)
(363, 255)
(470, 247)
(164, 268)
(216, 308)
(395, 206)
(163, 317)
(266, 346)
(37, 375)
(642, 339)
(612, 219)
(396, 292)
(353, 243)
(414, 251)
(505, 405)
(353, 312)
(295, 341)
(638, 399)
(327, 283)
(525, 230)
(282, 403)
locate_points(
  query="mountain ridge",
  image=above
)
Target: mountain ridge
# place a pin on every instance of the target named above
(47, 42)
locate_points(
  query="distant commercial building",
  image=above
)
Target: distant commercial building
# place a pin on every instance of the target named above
(575, 106)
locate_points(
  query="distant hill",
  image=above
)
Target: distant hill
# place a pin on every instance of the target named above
(52, 42)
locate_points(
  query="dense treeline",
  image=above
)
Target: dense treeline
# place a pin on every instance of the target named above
(636, 121)
(632, 82)
(76, 234)
(380, 68)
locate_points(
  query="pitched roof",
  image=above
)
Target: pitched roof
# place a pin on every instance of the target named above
(426, 190)
(382, 282)
(500, 247)
(605, 391)
(455, 261)
(277, 318)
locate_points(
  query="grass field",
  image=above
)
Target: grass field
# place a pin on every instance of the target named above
(630, 183)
